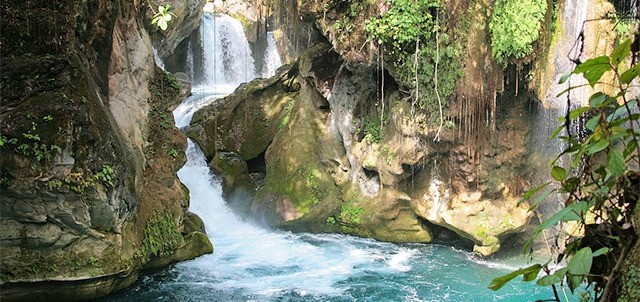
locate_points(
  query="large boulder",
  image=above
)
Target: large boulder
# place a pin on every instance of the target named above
(246, 121)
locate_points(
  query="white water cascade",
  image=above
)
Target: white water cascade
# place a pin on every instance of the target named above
(226, 53)
(564, 53)
(271, 57)
(251, 263)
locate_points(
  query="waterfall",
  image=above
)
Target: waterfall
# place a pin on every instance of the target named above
(566, 50)
(251, 263)
(271, 57)
(225, 54)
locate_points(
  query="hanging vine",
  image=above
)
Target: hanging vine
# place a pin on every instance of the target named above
(407, 31)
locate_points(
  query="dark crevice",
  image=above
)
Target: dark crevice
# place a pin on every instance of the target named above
(370, 174)
(257, 164)
(444, 236)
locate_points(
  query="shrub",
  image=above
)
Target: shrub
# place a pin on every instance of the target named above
(514, 26)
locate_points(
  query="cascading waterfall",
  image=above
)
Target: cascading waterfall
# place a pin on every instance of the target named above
(271, 57)
(227, 59)
(254, 264)
(565, 52)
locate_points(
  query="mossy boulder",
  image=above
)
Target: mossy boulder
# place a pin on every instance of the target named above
(192, 223)
(246, 121)
(232, 168)
(195, 244)
(297, 182)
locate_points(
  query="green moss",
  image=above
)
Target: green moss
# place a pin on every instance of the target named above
(161, 236)
(287, 114)
(171, 80)
(630, 289)
(305, 186)
(350, 213)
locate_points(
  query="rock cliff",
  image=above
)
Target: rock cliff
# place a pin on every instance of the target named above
(309, 148)
(89, 191)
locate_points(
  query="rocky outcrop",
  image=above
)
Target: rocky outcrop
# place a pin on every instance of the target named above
(573, 38)
(171, 43)
(89, 153)
(330, 163)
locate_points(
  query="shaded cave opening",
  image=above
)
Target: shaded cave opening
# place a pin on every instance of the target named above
(447, 237)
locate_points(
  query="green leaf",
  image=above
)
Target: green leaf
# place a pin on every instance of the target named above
(621, 52)
(615, 163)
(619, 132)
(531, 274)
(593, 69)
(601, 251)
(570, 184)
(628, 76)
(630, 148)
(575, 113)
(593, 122)
(531, 192)
(540, 199)
(579, 265)
(577, 211)
(567, 214)
(598, 146)
(569, 89)
(564, 78)
(597, 99)
(556, 277)
(556, 132)
(620, 111)
(499, 282)
(558, 173)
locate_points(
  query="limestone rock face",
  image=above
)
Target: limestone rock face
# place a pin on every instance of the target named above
(86, 168)
(596, 39)
(132, 54)
(329, 163)
(184, 23)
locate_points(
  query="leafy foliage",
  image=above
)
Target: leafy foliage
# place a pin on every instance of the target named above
(351, 214)
(371, 130)
(414, 36)
(601, 185)
(162, 17)
(514, 26)
(105, 175)
(31, 144)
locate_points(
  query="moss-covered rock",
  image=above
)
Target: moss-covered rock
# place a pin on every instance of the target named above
(195, 244)
(192, 223)
(296, 181)
(232, 168)
(246, 121)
